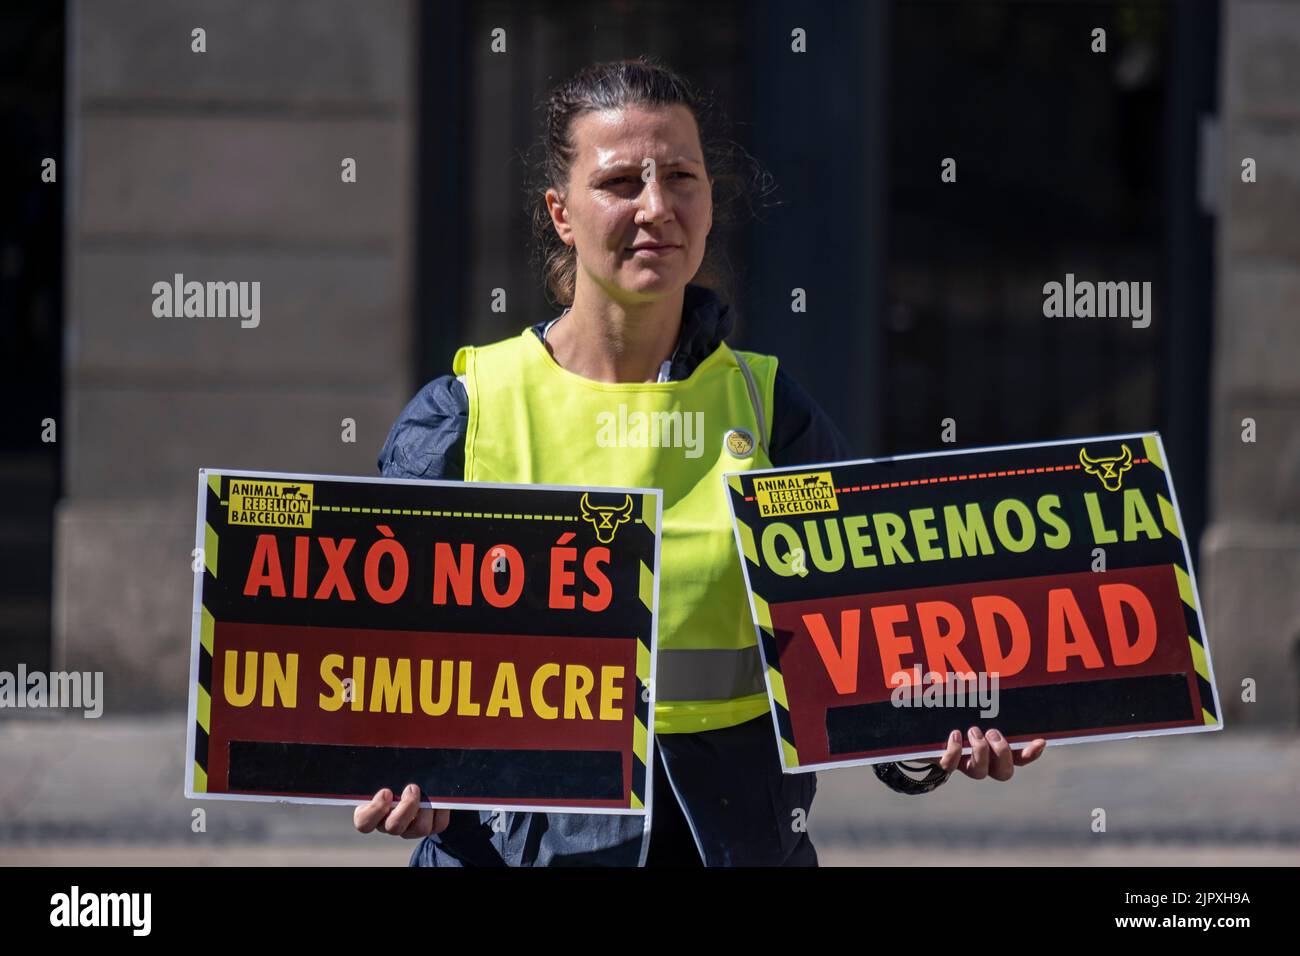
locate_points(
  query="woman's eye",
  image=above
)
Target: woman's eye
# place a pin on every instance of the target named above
(620, 180)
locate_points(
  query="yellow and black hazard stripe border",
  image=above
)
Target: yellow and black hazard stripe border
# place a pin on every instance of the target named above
(1209, 713)
(641, 533)
(646, 529)
(640, 540)
(1186, 592)
(1186, 589)
(766, 636)
(203, 704)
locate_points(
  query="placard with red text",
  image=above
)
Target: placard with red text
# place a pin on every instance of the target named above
(1044, 590)
(492, 643)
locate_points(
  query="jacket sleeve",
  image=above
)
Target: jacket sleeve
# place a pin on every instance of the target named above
(803, 434)
(428, 438)
(428, 441)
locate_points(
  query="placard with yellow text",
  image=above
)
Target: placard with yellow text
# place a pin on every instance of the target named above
(1045, 590)
(492, 643)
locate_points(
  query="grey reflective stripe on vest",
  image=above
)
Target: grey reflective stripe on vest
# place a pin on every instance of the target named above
(708, 674)
(757, 401)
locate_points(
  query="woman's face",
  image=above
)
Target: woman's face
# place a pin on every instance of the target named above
(639, 205)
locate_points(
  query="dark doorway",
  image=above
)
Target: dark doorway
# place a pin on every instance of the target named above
(31, 321)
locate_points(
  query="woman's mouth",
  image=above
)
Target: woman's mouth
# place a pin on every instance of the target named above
(653, 251)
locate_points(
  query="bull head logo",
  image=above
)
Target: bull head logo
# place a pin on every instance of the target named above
(606, 519)
(1109, 470)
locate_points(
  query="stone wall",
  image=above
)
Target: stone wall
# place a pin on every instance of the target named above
(1251, 552)
(222, 166)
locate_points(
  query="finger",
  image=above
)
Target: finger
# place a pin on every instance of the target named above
(978, 767)
(404, 812)
(367, 816)
(952, 756)
(1030, 753)
(441, 820)
(421, 826)
(1001, 766)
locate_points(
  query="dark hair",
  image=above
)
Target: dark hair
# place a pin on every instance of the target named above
(738, 180)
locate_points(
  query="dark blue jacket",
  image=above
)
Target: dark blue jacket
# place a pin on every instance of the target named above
(741, 808)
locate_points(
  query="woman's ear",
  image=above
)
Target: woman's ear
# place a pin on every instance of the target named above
(559, 216)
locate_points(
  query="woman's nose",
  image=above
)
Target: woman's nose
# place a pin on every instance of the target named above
(653, 208)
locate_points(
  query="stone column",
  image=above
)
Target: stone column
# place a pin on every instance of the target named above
(1251, 552)
(222, 165)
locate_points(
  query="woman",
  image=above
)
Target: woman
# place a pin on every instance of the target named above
(625, 215)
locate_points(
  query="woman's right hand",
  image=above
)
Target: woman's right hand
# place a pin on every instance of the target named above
(408, 819)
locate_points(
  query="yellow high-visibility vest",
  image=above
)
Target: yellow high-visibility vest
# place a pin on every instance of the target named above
(531, 421)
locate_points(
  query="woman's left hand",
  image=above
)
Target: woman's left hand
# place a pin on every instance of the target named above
(990, 755)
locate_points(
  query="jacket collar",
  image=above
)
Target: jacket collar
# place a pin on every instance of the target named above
(706, 322)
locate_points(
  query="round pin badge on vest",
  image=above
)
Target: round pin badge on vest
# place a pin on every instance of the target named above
(739, 443)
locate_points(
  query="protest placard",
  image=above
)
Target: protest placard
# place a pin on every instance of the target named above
(1045, 590)
(492, 643)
